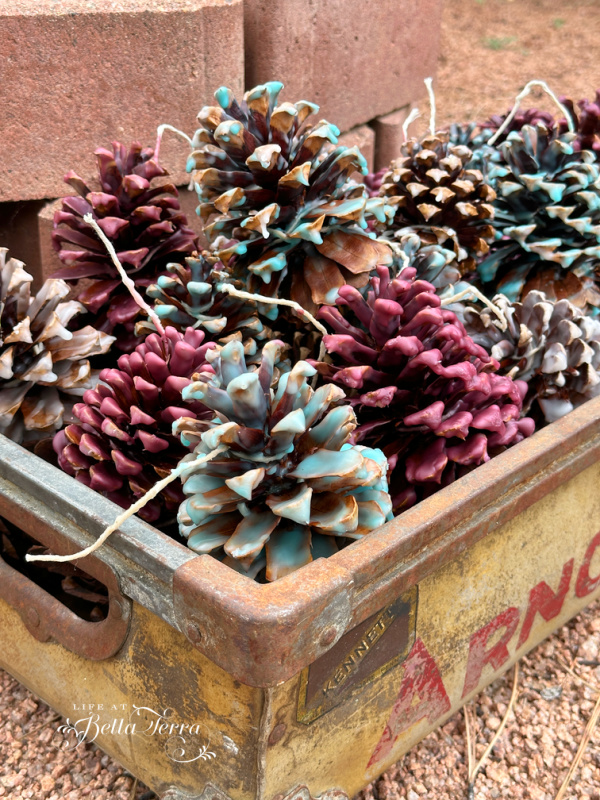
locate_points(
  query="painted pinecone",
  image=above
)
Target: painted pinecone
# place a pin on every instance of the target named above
(142, 219)
(436, 195)
(288, 486)
(43, 366)
(547, 214)
(188, 295)
(550, 345)
(528, 116)
(423, 390)
(122, 443)
(587, 123)
(279, 188)
(433, 263)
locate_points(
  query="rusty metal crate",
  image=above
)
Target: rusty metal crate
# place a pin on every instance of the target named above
(311, 686)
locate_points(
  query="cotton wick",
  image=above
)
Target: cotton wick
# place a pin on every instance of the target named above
(414, 114)
(520, 97)
(181, 468)
(159, 134)
(429, 85)
(129, 284)
(473, 292)
(259, 298)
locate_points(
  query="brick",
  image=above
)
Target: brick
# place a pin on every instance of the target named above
(77, 74)
(357, 59)
(364, 138)
(388, 137)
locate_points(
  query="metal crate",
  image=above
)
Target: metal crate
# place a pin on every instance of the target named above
(313, 685)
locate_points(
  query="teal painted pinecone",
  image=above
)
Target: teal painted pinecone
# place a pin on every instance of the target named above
(279, 188)
(189, 295)
(288, 487)
(547, 217)
(432, 191)
(552, 346)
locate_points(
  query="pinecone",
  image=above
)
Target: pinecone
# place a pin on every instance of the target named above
(122, 443)
(42, 364)
(298, 224)
(550, 345)
(289, 486)
(144, 223)
(437, 196)
(587, 123)
(528, 116)
(432, 263)
(547, 214)
(423, 390)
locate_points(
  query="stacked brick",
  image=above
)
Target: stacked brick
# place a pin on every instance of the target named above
(78, 74)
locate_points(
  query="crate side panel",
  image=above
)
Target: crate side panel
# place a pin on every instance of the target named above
(159, 671)
(475, 617)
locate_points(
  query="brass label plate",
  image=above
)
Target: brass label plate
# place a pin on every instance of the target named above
(363, 654)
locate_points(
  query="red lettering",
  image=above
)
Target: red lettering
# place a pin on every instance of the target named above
(422, 694)
(543, 600)
(496, 655)
(585, 584)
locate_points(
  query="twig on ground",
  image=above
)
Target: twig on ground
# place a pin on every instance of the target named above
(587, 735)
(133, 790)
(55, 718)
(473, 773)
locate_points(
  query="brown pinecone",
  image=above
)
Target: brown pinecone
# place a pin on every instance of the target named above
(551, 345)
(42, 364)
(436, 196)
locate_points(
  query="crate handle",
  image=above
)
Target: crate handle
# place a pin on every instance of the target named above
(46, 618)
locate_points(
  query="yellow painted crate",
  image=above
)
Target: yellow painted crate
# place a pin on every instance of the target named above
(208, 685)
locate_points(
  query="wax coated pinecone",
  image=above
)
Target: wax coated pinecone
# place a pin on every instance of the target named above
(436, 195)
(550, 345)
(547, 213)
(43, 366)
(423, 390)
(299, 225)
(288, 486)
(587, 123)
(142, 219)
(122, 443)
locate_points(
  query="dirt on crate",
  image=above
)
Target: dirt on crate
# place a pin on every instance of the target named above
(490, 49)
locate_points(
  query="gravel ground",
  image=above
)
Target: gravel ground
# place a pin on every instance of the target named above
(558, 685)
(490, 48)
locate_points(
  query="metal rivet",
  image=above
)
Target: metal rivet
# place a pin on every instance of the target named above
(194, 633)
(328, 637)
(33, 617)
(277, 733)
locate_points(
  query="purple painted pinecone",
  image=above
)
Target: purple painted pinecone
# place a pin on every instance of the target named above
(123, 443)
(423, 390)
(142, 220)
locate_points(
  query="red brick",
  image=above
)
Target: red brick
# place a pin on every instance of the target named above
(388, 137)
(78, 74)
(358, 59)
(363, 138)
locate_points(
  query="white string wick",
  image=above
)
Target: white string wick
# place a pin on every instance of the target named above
(166, 127)
(139, 504)
(414, 114)
(129, 284)
(520, 97)
(429, 85)
(454, 298)
(397, 250)
(259, 298)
